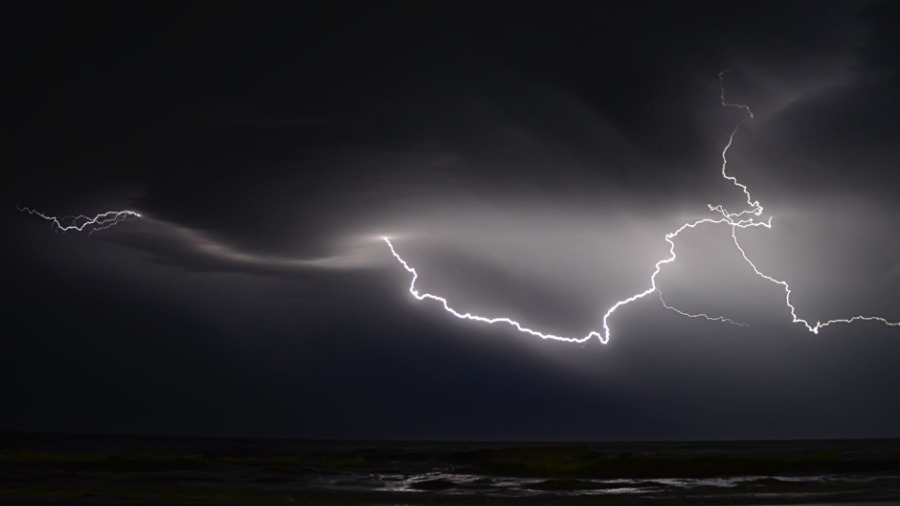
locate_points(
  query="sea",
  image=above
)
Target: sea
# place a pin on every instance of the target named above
(92, 469)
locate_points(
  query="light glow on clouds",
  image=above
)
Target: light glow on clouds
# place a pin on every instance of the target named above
(749, 217)
(746, 218)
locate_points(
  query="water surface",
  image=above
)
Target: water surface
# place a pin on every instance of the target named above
(78, 469)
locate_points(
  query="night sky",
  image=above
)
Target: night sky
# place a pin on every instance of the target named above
(526, 158)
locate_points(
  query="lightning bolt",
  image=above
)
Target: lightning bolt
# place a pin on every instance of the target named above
(469, 316)
(787, 298)
(700, 315)
(81, 222)
(745, 218)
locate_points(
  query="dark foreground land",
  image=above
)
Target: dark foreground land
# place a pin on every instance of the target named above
(77, 469)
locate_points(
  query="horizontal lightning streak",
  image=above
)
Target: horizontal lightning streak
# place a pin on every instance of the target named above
(81, 222)
(700, 315)
(734, 220)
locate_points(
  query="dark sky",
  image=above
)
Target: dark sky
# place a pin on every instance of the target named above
(527, 158)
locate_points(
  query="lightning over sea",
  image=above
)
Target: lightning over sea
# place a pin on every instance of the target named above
(733, 221)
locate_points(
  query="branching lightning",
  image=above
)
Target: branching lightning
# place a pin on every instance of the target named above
(700, 315)
(83, 223)
(746, 218)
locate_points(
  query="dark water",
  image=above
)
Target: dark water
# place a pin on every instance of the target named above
(62, 469)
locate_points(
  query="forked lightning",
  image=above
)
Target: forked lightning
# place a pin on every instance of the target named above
(746, 218)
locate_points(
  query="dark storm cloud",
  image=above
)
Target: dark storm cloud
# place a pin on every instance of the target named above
(507, 126)
(527, 160)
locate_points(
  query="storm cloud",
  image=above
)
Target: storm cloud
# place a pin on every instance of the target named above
(528, 161)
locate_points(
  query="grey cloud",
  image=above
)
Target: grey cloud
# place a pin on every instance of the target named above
(180, 246)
